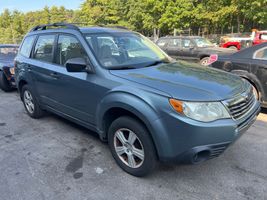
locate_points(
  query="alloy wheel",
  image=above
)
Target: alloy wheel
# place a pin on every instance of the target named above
(28, 101)
(129, 148)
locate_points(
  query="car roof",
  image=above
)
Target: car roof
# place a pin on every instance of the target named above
(102, 30)
(249, 52)
(8, 45)
(72, 29)
(179, 37)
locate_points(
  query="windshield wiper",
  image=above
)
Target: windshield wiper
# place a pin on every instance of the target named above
(120, 67)
(156, 63)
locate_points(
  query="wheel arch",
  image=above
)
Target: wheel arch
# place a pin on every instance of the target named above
(252, 79)
(115, 106)
(203, 56)
(20, 84)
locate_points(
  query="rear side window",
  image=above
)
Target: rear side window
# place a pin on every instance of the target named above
(69, 47)
(26, 47)
(44, 48)
(261, 54)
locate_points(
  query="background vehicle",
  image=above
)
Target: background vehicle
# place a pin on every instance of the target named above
(250, 64)
(7, 55)
(259, 37)
(240, 41)
(191, 48)
(121, 85)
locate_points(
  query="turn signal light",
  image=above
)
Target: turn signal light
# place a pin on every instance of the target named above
(177, 105)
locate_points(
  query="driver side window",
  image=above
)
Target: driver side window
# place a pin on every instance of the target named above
(68, 47)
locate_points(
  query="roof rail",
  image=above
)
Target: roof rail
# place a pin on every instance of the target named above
(45, 26)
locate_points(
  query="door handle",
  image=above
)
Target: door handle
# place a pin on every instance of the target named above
(54, 75)
(29, 68)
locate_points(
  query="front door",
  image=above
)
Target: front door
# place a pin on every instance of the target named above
(174, 48)
(75, 94)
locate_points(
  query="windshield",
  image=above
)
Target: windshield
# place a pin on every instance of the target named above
(8, 52)
(125, 50)
(203, 42)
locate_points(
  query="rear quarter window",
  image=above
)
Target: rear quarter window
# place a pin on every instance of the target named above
(26, 47)
(261, 54)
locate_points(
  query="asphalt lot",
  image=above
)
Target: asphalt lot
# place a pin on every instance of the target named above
(52, 158)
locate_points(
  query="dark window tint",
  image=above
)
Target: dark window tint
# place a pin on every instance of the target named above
(68, 48)
(44, 48)
(26, 47)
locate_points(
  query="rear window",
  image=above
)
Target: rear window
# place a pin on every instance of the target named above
(162, 42)
(26, 47)
(44, 48)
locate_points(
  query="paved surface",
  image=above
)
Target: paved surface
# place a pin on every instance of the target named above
(52, 158)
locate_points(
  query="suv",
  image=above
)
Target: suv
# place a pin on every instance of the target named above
(191, 48)
(122, 86)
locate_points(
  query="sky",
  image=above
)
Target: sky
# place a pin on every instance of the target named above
(32, 5)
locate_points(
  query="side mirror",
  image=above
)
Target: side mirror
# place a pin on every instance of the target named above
(76, 65)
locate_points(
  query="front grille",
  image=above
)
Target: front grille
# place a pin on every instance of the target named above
(217, 150)
(242, 104)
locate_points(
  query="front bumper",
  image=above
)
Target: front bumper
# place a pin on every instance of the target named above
(180, 139)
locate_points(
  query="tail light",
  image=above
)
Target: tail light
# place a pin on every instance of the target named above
(213, 58)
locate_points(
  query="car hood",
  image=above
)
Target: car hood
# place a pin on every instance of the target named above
(218, 50)
(186, 81)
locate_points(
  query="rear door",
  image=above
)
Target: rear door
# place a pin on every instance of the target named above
(43, 69)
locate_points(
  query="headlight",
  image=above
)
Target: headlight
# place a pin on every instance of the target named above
(12, 70)
(201, 111)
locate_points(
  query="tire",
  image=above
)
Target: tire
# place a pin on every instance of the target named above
(4, 84)
(256, 92)
(140, 150)
(204, 61)
(30, 103)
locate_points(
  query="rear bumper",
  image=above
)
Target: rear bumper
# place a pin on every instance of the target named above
(188, 141)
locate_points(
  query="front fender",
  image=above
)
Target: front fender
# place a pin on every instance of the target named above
(128, 101)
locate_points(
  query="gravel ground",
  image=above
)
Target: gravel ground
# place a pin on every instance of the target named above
(52, 158)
